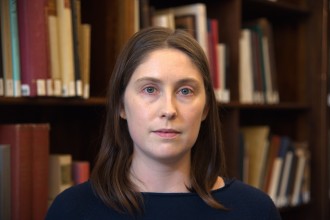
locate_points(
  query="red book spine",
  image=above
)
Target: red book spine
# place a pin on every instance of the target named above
(40, 168)
(33, 46)
(19, 137)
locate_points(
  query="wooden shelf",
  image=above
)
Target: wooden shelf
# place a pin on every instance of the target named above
(51, 101)
(281, 106)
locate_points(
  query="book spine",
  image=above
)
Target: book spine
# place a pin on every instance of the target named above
(40, 168)
(19, 137)
(66, 47)
(15, 48)
(54, 55)
(86, 47)
(6, 49)
(5, 186)
(33, 47)
(76, 26)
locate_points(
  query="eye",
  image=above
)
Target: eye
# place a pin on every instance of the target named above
(149, 90)
(185, 91)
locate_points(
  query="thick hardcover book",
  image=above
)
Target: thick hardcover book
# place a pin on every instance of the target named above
(33, 46)
(40, 170)
(5, 182)
(19, 137)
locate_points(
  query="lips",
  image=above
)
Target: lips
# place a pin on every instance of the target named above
(167, 133)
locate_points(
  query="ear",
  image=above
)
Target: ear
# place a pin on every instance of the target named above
(122, 111)
(205, 112)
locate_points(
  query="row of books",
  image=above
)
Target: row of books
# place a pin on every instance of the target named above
(193, 18)
(275, 164)
(45, 49)
(31, 177)
(257, 65)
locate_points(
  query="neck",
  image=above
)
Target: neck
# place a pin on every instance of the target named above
(155, 176)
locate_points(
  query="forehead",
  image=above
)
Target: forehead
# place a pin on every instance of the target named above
(167, 61)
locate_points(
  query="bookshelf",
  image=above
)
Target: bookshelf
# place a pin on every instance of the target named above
(300, 34)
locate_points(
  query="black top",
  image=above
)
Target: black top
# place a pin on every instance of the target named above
(242, 200)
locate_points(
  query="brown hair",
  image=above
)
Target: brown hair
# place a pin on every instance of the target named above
(110, 176)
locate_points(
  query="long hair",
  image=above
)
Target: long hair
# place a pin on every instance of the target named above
(110, 176)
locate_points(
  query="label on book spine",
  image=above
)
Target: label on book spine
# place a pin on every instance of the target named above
(25, 90)
(49, 87)
(9, 87)
(57, 88)
(79, 88)
(17, 88)
(41, 87)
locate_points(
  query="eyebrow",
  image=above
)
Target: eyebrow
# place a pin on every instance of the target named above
(181, 81)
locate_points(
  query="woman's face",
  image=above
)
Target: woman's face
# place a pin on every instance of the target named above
(164, 105)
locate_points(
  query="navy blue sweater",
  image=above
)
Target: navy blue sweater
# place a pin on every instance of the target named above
(242, 200)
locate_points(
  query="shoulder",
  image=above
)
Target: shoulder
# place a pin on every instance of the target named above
(75, 202)
(241, 198)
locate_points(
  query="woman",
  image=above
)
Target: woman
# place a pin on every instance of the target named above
(161, 155)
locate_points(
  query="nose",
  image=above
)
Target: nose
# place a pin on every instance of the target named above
(169, 108)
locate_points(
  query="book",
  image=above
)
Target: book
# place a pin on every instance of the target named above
(274, 145)
(6, 48)
(256, 144)
(213, 40)
(164, 18)
(145, 14)
(277, 170)
(15, 48)
(40, 170)
(33, 47)
(76, 32)
(282, 199)
(85, 58)
(223, 93)
(19, 137)
(301, 188)
(54, 55)
(246, 82)
(60, 174)
(5, 182)
(80, 171)
(66, 47)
